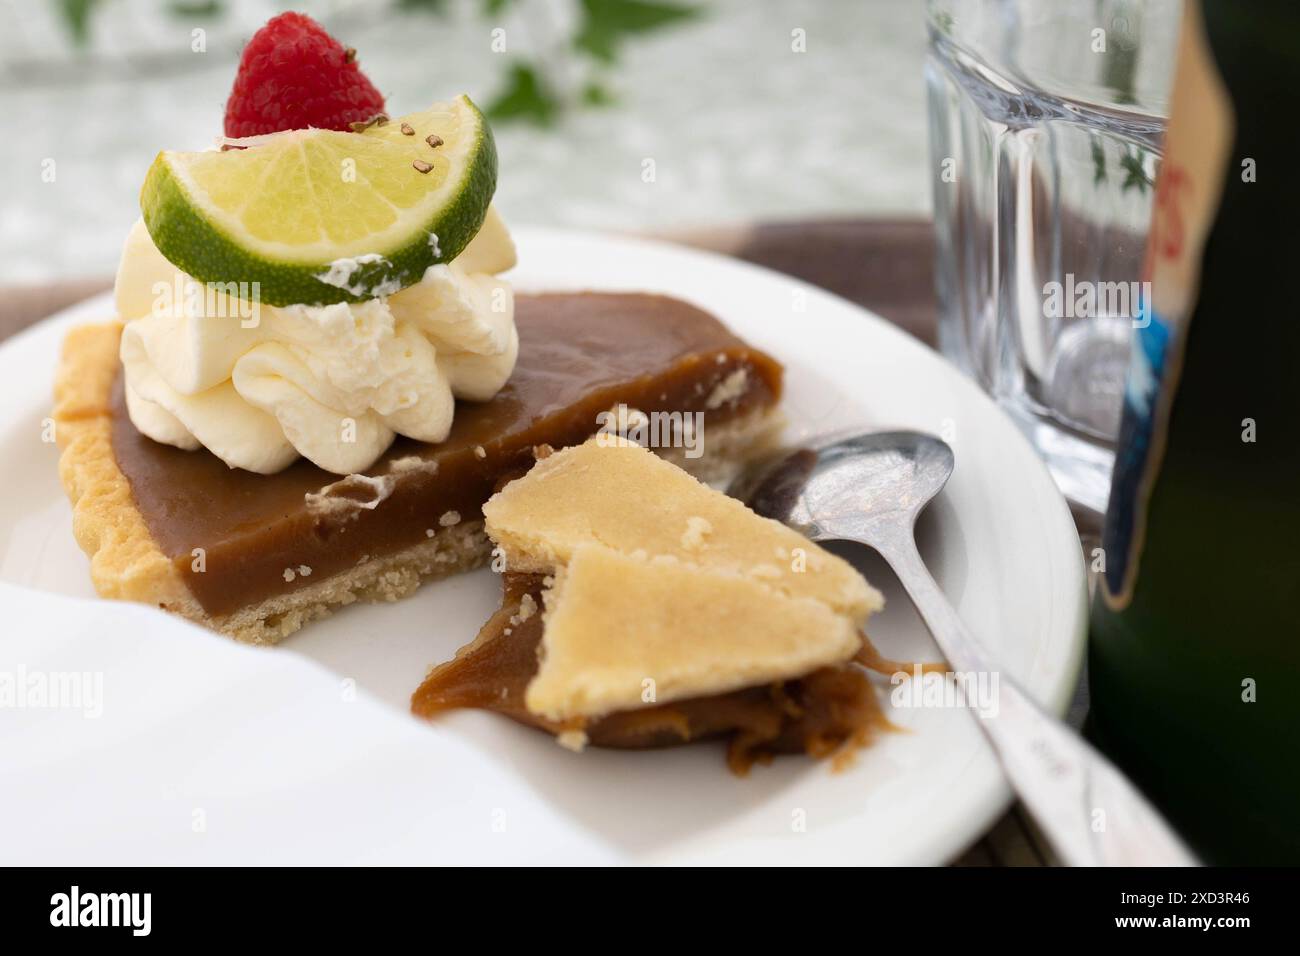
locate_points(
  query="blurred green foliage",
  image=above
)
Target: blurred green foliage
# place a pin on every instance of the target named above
(76, 17)
(604, 26)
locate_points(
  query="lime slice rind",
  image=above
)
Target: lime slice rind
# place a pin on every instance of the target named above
(211, 242)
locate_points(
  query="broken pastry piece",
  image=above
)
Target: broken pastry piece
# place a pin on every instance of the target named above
(642, 609)
(611, 492)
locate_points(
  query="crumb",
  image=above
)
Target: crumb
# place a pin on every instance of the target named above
(575, 740)
(289, 575)
(449, 519)
(697, 529)
(729, 389)
(542, 452)
(429, 532)
(480, 451)
(721, 359)
(411, 463)
(304, 570)
(527, 608)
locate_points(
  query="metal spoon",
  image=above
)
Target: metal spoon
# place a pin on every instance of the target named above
(870, 488)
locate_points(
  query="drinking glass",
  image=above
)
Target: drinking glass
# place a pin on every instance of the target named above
(1046, 119)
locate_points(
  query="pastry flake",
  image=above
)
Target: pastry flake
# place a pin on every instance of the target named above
(622, 631)
(615, 493)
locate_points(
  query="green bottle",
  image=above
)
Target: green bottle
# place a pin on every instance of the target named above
(1195, 645)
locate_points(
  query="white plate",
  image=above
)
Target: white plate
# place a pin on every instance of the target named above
(210, 752)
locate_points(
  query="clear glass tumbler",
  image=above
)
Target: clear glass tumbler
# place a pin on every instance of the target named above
(1046, 118)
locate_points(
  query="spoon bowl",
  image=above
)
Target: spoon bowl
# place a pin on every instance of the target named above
(849, 484)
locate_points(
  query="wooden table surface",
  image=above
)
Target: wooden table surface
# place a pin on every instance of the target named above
(885, 265)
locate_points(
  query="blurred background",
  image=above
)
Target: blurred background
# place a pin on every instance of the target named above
(750, 109)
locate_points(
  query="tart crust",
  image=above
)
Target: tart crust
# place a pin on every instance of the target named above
(127, 564)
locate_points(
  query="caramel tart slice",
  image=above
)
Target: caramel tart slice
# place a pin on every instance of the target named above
(257, 556)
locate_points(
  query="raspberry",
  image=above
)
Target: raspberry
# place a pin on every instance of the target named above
(293, 75)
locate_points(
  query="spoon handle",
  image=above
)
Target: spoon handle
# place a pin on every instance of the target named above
(1089, 811)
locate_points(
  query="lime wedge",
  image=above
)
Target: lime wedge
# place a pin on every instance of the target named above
(317, 216)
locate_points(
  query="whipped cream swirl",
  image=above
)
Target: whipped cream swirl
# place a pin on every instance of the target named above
(259, 386)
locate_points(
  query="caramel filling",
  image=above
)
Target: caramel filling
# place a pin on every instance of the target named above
(829, 712)
(580, 355)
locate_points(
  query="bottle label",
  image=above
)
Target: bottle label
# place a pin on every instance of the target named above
(1188, 190)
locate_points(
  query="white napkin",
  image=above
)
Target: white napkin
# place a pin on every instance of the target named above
(175, 745)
